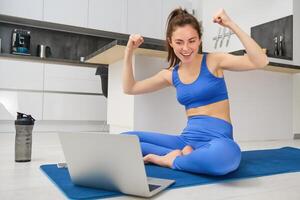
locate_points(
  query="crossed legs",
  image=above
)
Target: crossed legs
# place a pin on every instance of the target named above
(168, 159)
(161, 149)
(216, 157)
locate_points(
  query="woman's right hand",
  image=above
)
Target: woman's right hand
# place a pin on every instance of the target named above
(135, 40)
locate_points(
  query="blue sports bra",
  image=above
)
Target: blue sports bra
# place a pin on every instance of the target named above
(206, 89)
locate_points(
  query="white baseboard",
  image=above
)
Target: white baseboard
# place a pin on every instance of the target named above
(55, 126)
(116, 129)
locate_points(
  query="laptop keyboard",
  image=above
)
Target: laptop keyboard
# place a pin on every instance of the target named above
(153, 187)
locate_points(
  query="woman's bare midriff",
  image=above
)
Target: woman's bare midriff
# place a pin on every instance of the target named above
(219, 110)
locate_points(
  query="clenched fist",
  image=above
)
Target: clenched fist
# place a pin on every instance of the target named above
(222, 18)
(135, 40)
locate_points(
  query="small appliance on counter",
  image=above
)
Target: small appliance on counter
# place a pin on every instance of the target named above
(43, 51)
(20, 42)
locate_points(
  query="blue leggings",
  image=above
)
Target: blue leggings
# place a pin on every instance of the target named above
(215, 152)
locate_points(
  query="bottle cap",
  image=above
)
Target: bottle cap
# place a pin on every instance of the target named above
(24, 119)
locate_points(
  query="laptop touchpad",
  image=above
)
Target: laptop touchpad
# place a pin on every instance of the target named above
(153, 187)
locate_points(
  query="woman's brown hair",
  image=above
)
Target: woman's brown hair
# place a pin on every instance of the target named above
(179, 18)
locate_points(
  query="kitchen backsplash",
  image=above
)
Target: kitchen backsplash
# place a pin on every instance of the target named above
(63, 45)
(276, 36)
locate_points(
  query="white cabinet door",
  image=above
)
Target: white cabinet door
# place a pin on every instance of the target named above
(74, 107)
(168, 6)
(21, 75)
(12, 102)
(71, 12)
(31, 9)
(145, 17)
(108, 15)
(67, 78)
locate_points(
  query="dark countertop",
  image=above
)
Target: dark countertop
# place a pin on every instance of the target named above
(275, 66)
(284, 65)
(50, 60)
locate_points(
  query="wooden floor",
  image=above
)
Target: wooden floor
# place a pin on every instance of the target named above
(26, 181)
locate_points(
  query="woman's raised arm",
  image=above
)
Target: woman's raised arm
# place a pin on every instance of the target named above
(255, 57)
(130, 85)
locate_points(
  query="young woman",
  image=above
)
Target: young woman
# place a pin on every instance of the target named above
(206, 144)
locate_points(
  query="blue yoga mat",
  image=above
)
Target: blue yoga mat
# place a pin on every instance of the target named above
(253, 164)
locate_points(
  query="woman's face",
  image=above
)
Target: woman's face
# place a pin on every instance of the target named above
(185, 42)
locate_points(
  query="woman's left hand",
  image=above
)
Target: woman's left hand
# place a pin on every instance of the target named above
(222, 18)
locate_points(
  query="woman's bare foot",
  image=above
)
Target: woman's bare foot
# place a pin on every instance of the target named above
(164, 161)
(187, 150)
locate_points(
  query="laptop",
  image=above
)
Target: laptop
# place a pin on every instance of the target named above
(109, 161)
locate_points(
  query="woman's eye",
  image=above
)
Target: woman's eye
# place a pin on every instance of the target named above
(192, 41)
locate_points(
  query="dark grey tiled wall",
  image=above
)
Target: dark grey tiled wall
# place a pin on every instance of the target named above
(264, 35)
(63, 45)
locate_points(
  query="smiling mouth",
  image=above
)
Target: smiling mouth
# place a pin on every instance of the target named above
(186, 54)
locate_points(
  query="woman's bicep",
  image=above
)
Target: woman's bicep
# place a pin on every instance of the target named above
(154, 83)
(235, 63)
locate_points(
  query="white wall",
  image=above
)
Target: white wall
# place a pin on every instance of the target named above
(261, 104)
(296, 32)
(296, 57)
(197, 6)
(296, 103)
(158, 111)
(148, 112)
(120, 108)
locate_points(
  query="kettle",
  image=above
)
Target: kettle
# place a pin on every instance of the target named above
(43, 51)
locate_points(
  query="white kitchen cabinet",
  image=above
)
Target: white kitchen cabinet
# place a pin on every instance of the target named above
(145, 18)
(12, 102)
(168, 6)
(67, 78)
(31, 9)
(108, 15)
(74, 107)
(70, 12)
(21, 75)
